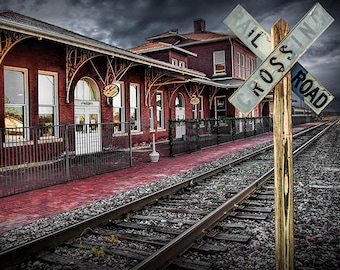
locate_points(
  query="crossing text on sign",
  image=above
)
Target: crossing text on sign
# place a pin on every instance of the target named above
(284, 56)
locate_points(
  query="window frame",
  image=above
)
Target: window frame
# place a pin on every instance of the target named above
(217, 61)
(174, 62)
(239, 64)
(197, 110)
(152, 119)
(119, 128)
(89, 81)
(248, 71)
(252, 66)
(55, 105)
(160, 112)
(243, 66)
(137, 108)
(221, 110)
(25, 106)
(181, 64)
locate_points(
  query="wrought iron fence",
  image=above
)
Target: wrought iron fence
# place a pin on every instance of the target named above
(35, 157)
(201, 133)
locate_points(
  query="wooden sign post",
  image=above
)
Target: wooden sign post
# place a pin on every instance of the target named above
(283, 162)
(280, 52)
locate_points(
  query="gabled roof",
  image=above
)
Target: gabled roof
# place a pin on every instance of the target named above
(171, 33)
(181, 40)
(16, 22)
(205, 36)
(159, 46)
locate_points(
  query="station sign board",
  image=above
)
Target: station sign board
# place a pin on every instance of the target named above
(279, 61)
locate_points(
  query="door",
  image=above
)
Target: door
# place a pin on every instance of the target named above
(180, 115)
(87, 117)
(87, 130)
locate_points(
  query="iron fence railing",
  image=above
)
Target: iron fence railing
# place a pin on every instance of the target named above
(35, 157)
(187, 136)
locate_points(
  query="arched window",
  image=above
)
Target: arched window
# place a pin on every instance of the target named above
(85, 90)
(179, 101)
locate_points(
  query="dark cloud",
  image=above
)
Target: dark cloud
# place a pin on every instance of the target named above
(127, 23)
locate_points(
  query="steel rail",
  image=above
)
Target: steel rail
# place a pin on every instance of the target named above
(305, 145)
(164, 256)
(25, 251)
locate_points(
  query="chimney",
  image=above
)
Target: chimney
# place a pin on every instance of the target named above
(199, 25)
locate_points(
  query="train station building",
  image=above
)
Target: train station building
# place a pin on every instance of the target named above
(51, 76)
(65, 94)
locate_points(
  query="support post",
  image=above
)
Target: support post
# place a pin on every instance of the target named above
(283, 160)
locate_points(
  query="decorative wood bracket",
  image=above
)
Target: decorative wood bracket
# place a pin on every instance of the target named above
(195, 89)
(154, 79)
(75, 59)
(172, 92)
(116, 69)
(212, 94)
(192, 89)
(7, 40)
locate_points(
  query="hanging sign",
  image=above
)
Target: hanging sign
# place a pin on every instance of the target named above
(111, 90)
(194, 100)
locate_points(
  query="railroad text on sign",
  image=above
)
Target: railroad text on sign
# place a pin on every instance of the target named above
(284, 56)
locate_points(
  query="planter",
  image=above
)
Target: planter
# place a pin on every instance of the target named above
(154, 156)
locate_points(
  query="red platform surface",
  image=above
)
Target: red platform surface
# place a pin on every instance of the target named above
(24, 208)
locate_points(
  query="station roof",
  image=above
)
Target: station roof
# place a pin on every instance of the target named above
(160, 46)
(16, 22)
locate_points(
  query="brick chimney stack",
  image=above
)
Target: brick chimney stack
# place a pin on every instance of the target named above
(199, 25)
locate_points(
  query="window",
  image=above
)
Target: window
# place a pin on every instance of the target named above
(238, 64)
(181, 64)
(48, 103)
(220, 106)
(243, 67)
(219, 62)
(135, 107)
(174, 61)
(252, 65)
(248, 71)
(160, 110)
(197, 110)
(84, 90)
(179, 102)
(119, 110)
(152, 120)
(16, 103)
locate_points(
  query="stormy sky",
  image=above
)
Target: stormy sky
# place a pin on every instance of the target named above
(126, 23)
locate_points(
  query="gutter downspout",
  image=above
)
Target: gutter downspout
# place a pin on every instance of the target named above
(232, 57)
(232, 63)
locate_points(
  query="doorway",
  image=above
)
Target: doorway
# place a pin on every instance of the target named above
(180, 115)
(87, 117)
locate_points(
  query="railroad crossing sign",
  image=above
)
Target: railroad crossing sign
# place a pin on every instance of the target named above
(276, 63)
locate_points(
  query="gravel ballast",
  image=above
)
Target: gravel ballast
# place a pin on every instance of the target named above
(316, 209)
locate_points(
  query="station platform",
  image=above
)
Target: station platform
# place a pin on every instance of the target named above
(21, 209)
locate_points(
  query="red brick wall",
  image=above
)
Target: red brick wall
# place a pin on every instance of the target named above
(160, 55)
(247, 54)
(35, 55)
(204, 60)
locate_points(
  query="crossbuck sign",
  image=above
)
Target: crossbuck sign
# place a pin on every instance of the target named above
(276, 63)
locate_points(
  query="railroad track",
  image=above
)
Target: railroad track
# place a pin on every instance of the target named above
(151, 232)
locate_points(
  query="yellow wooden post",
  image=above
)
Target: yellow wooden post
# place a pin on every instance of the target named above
(283, 160)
